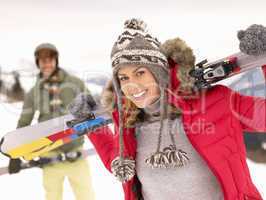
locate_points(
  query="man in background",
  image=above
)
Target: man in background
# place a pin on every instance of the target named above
(50, 96)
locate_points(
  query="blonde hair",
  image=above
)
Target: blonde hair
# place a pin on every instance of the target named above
(133, 114)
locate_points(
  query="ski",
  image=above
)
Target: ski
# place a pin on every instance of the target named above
(32, 141)
(207, 74)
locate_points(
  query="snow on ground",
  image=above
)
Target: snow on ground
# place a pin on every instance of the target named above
(258, 176)
(27, 185)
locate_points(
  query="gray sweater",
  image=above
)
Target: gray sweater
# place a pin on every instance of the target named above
(195, 181)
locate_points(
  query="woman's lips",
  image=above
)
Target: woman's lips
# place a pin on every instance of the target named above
(139, 96)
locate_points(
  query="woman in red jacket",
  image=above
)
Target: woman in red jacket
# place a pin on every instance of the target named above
(171, 142)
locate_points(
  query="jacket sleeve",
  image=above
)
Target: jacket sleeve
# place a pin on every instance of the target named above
(104, 140)
(81, 85)
(251, 111)
(27, 113)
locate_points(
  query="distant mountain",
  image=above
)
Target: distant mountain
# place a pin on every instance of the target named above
(98, 80)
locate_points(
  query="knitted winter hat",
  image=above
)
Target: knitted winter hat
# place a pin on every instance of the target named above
(135, 46)
(46, 50)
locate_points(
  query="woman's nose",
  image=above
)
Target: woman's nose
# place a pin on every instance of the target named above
(133, 87)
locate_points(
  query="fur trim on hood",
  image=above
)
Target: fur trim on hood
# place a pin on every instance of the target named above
(108, 97)
(177, 52)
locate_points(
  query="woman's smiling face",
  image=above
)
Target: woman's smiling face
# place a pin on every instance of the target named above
(138, 85)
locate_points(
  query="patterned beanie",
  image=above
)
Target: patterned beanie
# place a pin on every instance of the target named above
(135, 46)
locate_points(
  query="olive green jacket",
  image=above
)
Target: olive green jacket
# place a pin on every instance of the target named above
(37, 99)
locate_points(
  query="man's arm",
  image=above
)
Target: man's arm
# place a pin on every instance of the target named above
(24, 120)
(27, 113)
(83, 87)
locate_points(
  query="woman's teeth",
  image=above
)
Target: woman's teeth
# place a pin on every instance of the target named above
(138, 95)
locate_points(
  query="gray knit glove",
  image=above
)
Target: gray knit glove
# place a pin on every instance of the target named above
(253, 40)
(82, 105)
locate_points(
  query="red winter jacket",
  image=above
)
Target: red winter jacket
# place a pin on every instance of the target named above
(214, 124)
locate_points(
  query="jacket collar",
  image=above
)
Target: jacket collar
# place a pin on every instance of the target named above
(61, 74)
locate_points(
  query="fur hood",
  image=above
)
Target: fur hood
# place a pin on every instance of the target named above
(177, 52)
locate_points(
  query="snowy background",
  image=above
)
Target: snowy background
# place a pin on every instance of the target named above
(84, 32)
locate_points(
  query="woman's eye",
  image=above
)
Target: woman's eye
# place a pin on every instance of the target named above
(123, 78)
(139, 73)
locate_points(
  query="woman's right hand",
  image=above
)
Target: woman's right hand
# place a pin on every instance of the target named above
(82, 105)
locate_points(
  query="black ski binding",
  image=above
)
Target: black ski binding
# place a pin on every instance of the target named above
(72, 123)
(207, 74)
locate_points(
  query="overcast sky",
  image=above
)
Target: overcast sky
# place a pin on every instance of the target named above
(84, 31)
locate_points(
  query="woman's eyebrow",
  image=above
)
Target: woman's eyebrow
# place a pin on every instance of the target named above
(138, 68)
(121, 74)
